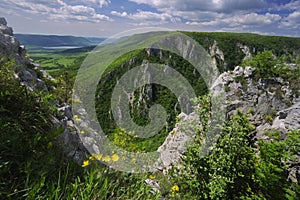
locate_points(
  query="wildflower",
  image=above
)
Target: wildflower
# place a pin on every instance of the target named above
(97, 156)
(92, 158)
(115, 158)
(85, 163)
(175, 188)
(82, 132)
(106, 159)
(76, 118)
(76, 100)
(152, 177)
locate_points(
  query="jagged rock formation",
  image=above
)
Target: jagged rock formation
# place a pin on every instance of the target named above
(33, 77)
(261, 98)
(272, 103)
(29, 73)
(217, 54)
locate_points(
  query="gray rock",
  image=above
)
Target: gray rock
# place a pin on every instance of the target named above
(238, 71)
(3, 21)
(248, 71)
(172, 150)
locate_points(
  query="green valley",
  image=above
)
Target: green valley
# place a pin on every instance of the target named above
(256, 154)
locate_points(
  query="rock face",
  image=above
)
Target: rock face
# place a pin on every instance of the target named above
(217, 54)
(272, 104)
(29, 73)
(33, 77)
(172, 150)
(259, 97)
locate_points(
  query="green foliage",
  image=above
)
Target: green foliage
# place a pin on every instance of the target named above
(243, 81)
(33, 165)
(26, 128)
(275, 157)
(233, 170)
(139, 109)
(265, 63)
(227, 172)
(268, 66)
(229, 44)
(64, 87)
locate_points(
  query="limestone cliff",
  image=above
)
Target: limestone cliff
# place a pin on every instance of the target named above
(34, 78)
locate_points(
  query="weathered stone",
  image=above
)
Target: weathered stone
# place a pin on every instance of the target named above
(248, 71)
(3, 21)
(238, 71)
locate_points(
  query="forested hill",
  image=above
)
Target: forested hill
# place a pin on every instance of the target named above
(230, 49)
(55, 40)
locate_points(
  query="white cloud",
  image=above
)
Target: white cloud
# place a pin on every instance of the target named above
(151, 16)
(253, 19)
(101, 3)
(119, 14)
(146, 17)
(60, 10)
(240, 21)
(292, 5)
(291, 21)
(203, 5)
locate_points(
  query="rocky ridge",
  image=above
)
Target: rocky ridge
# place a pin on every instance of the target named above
(34, 78)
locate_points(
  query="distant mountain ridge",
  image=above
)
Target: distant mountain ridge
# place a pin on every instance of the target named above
(56, 40)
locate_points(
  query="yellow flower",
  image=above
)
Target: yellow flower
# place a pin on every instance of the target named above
(85, 163)
(115, 158)
(175, 188)
(76, 100)
(92, 158)
(152, 177)
(82, 132)
(76, 118)
(97, 156)
(106, 159)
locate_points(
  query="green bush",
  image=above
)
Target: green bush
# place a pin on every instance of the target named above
(232, 169)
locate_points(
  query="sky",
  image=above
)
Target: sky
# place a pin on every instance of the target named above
(104, 18)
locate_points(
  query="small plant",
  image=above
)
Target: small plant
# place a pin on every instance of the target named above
(269, 119)
(227, 88)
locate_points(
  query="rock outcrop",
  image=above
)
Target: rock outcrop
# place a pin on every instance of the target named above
(33, 77)
(272, 104)
(29, 73)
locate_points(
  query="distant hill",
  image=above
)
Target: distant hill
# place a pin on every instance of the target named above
(55, 40)
(95, 40)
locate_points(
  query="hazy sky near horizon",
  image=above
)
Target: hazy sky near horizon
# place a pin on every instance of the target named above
(105, 18)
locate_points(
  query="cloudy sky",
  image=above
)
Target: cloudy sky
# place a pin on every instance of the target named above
(108, 17)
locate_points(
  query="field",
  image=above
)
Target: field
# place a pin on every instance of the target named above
(56, 61)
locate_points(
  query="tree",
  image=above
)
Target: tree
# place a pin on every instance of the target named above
(264, 62)
(228, 172)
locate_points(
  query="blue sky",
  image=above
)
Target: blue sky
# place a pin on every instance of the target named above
(105, 18)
